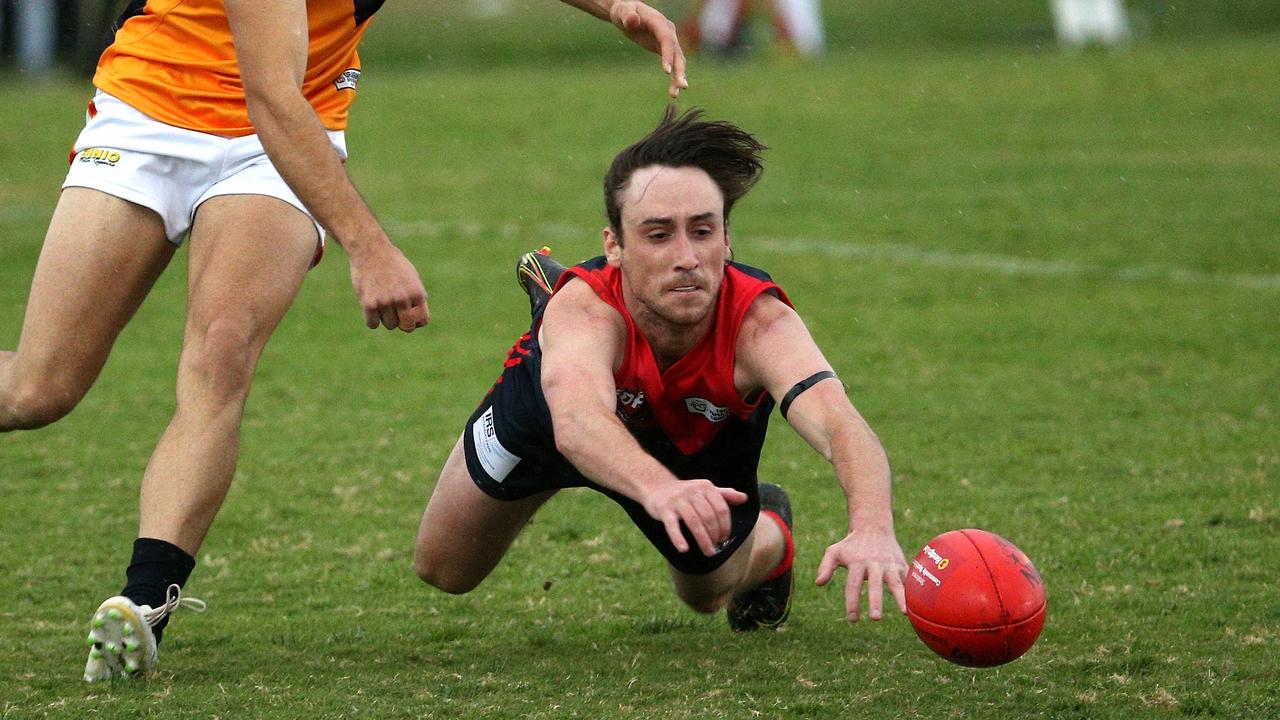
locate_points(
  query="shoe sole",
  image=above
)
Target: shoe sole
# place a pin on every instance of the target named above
(120, 642)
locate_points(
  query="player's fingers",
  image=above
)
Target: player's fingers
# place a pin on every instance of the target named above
(675, 68)
(720, 507)
(691, 515)
(413, 318)
(389, 317)
(422, 313)
(731, 496)
(827, 567)
(853, 591)
(701, 534)
(371, 318)
(875, 591)
(672, 524)
(667, 47)
(725, 515)
(899, 592)
(715, 514)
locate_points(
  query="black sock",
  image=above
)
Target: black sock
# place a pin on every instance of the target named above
(155, 566)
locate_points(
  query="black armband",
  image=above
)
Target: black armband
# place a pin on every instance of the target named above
(800, 387)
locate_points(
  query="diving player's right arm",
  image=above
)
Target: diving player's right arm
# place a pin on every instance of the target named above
(582, 341)
(271, 49)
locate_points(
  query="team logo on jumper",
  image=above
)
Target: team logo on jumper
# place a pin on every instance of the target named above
(630, 399)
(347, 80)
(630, 405)
(99, 156)
(714, 413)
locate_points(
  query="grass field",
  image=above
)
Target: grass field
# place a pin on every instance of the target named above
(1051, 282)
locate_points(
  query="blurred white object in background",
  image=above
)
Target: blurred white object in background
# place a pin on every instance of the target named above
(490, 8)
(1080, 22)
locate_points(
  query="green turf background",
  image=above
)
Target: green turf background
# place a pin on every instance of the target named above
(1050, 280)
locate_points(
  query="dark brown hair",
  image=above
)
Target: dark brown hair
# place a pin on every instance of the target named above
(726, 152)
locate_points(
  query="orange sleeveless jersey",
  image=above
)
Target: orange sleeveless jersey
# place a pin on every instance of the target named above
(174, 61)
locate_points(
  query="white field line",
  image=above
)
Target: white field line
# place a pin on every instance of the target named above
(883, 252)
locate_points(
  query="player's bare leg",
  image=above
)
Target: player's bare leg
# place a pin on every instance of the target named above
(762, 551)
(248, 257)
(464, 532)
(100, 258)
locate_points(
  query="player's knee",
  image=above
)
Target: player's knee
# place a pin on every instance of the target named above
(222, 357)
(442, 577)
(34, 404)
(704, 603)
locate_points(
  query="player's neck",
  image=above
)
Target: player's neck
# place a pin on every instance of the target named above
(669, 341)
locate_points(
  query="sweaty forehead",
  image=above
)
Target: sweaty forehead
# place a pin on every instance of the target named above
(660, 191)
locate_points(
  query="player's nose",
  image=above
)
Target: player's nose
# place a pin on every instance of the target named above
(685, 258)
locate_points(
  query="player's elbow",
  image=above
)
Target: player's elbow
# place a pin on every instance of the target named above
(570, 431)
(271, 104)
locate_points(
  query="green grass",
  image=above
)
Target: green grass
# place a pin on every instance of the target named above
(1052, 284)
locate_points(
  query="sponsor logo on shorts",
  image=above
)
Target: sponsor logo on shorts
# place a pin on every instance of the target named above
(99, 156)
(347, 80)
(496, 459)
(712, 412)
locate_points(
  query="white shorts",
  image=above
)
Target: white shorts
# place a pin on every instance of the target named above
(171, 170)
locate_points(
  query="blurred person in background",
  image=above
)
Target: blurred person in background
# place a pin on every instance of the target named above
(222, 122)
(720, 27)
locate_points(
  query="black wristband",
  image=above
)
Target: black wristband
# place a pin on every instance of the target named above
(800, 387)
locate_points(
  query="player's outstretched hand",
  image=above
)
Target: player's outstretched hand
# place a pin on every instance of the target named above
(652, 31)
(701, 505)
(388, 288)
(873, 557)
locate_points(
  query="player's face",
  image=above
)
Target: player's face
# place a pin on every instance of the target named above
(674, 244)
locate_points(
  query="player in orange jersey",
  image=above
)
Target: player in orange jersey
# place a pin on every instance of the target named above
(222, 122)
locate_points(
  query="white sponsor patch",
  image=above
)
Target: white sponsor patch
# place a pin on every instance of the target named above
(496, 459)
(714, 413)
(347, 80)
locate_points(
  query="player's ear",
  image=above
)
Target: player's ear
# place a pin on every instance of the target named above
(612, 247)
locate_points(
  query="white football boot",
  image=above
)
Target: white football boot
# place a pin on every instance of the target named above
(121, 641)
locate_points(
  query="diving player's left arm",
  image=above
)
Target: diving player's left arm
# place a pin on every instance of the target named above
(775, 351)
(647, 28)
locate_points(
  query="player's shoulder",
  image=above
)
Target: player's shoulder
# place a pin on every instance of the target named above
(575, 302)
(767, 308)
(751, 271)
(767, 320)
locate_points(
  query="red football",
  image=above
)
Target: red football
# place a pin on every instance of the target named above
(974, 598)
